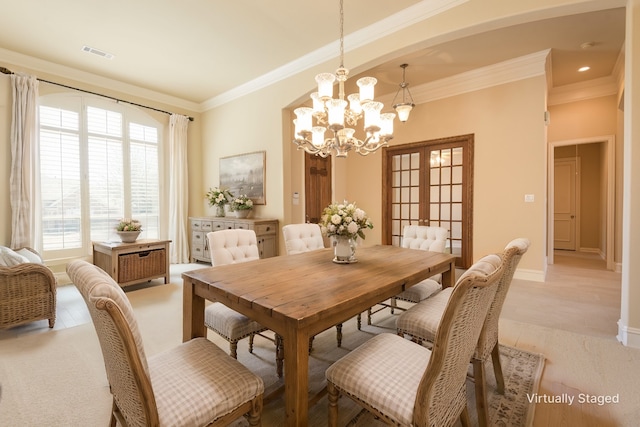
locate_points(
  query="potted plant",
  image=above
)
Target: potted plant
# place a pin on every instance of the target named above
(219, 197)
(128, 229)
(241, 205)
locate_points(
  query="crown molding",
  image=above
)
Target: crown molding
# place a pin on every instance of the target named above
(53, 69)
(367, 35)
(582, 91)
(520, 68)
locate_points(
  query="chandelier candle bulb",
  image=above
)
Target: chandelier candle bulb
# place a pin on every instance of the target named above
(336, 109)
(325, 85)
(317, 137)
(366, 85)
(354, 103)
(372, 114)
(304, 119)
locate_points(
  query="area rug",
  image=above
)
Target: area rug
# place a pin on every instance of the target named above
(57, 377)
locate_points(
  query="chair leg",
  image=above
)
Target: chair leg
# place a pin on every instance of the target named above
(251, 337)
(255, 414)
(359, 321)
(233, 349)
(279, 355)
(464, 418)
(369, 316)
(339, 334)
(394, 304)
(481, 392)
(333, 395)
(497, 368)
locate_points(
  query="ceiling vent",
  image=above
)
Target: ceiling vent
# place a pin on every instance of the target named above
(97, 52)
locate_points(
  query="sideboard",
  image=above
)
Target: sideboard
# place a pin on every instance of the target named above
(266, 234)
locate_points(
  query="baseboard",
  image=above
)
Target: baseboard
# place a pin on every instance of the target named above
(531, 275)
(628, 336)
(62, 278)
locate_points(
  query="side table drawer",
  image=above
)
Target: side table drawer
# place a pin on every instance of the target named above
(140, 265)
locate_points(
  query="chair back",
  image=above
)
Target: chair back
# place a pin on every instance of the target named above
(300, 238)
(121, 343)
(426, 238)
(489, 335)
(232, 246)
(441, 395)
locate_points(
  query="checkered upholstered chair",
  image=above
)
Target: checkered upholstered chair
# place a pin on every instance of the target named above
(231, 247)
(193, 384)
(406, 384)
(421, 322)
(425, 238)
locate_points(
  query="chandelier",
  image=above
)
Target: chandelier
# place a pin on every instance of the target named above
(333, 115)
(403, 108)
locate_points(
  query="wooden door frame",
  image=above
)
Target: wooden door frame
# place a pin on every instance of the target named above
(467, 233)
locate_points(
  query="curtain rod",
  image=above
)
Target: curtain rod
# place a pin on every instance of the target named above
(7, 71)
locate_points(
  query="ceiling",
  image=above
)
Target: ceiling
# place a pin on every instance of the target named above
(197, 50)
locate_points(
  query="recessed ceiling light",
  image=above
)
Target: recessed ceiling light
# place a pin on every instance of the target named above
(98, 52)
(583, 69)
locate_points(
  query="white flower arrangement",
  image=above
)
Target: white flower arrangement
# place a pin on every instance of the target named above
(219, 197)
(344, 219)
(241, 203)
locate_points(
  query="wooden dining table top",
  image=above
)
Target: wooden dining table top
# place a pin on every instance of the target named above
(308, 287)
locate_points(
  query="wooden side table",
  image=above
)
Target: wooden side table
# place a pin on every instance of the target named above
(129, 263)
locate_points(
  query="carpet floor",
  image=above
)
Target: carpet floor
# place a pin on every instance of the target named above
(57, 378)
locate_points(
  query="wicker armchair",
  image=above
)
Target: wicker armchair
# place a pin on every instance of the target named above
(27, 294)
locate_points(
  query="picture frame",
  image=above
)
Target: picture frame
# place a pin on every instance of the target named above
(245, 174)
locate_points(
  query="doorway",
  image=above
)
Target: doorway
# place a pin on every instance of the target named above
(593, 225)
(317, 186)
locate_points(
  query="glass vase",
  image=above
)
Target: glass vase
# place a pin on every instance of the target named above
(220, 210)
(344, 250)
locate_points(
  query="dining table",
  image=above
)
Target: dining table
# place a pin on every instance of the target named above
(298, 296)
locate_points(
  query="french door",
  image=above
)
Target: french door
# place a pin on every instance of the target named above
(430, 183)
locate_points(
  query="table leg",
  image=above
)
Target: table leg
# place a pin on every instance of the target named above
(192, 312)
(296, 377)
(449, 276)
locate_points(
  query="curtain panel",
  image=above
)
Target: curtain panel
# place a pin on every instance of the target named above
(24, 178)
(178, 186)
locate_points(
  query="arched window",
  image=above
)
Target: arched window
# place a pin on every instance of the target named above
(99, 162)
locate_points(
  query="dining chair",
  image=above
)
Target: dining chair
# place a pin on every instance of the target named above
(305, 237)
(407, 384)
(192, 384)
(421, 322)
(425, 238)
(231, 247)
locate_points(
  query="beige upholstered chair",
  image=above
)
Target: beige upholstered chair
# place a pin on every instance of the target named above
(425, 238)
(421, 322)
(407, 384)
(193, 384)
(27, 290)
(299, 238)
(231, 247)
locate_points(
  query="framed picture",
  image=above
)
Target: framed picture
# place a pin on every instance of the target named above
(245, 174)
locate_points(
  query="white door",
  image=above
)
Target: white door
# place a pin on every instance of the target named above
(564, 203)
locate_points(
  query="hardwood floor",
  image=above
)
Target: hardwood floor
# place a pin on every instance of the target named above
(579, 301)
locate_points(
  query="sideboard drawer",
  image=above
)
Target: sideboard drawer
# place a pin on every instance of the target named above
(265, 229)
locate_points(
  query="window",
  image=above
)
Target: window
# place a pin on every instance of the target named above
(99, 162)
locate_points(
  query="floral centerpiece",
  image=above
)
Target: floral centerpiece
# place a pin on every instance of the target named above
(128, 229)
(219, 197)
(344, 222)
(241, 205)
